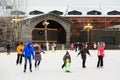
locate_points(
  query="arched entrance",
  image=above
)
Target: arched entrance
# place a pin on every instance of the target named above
(55, 32)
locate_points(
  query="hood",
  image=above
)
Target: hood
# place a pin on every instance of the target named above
(29, 43)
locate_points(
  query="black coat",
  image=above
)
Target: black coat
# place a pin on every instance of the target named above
(83, 53)
(66, 57)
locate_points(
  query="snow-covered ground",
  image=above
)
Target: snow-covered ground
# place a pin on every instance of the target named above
(50, 67)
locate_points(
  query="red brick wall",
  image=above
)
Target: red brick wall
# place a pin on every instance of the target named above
(103, 22)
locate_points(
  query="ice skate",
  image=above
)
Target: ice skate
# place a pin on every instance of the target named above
(84, 67)
(38, 67)
(63, 66)
(35, 68)
(30, 70)
(24, 71)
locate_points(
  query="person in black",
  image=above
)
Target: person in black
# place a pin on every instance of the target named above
(8, 48)
(83, 53)
(66, 56)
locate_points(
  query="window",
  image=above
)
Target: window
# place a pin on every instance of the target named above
(56, 12)
(75, 21)
(94, 12)
(74, 12)
(115, 22)
(113, 12)
(94, 21)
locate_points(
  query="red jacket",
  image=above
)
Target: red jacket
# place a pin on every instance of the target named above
(100, 50)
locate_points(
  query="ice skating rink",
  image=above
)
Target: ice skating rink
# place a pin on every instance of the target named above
(50, 67)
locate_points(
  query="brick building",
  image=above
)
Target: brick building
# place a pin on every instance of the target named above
(71, 24)
(95, 18)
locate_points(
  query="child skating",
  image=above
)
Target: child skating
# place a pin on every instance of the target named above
(67, 66)
(67, 61)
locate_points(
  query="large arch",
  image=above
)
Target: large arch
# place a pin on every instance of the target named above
(55, 32)
(56, 22)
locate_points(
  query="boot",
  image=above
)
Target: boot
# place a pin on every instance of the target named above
(30, 70)
(63, 65)
(24, 70)
(38, 67)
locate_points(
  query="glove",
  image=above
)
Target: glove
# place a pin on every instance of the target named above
(33, 57)
(44, 52)
(23, 55)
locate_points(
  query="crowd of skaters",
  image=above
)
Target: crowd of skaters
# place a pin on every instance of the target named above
(83, 49)
(78, 45)
(34, 50)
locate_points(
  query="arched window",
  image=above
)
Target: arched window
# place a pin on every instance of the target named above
(17, 12)
(113, 12)
(74, 12)
(75, 21)
(56, 12)
(94, 21)
(35, 12)
(94, 12)
(8, 7)
(115, 22)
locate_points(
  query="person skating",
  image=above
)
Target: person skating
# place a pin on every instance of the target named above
(8, 48)
(76, 46)
(38, 57)
(47, 46)
(19, 53)
(63, 46)
(67, 65)
(100, 55)
(72, 46)
(54, 46)
(83, 53)
(65, 57)
(27, 52)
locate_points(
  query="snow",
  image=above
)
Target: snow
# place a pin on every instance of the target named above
(50, 67)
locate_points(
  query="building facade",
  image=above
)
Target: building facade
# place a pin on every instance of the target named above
(66, 29)
(98, 22)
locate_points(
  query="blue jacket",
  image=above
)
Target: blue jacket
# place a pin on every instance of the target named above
(28, 50)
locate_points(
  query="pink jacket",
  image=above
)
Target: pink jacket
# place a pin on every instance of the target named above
(72, 46)
(100, 50)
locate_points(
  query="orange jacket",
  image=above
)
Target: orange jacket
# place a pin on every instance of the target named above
(20, 48)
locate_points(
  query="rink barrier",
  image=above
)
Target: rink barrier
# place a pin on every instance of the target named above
(2, 49)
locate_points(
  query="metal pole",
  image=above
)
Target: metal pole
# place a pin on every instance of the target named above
(88, 30)
(45, 23)
(45, 32)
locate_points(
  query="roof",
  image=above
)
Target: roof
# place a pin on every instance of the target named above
(116, 27)
(56, 12)
(64, 10)
(57, 16)
(35, 12)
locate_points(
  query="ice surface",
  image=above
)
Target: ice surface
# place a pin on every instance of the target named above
(50, 67)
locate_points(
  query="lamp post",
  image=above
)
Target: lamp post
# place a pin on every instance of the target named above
(45, 23)
(88, 27)
(17, 33)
